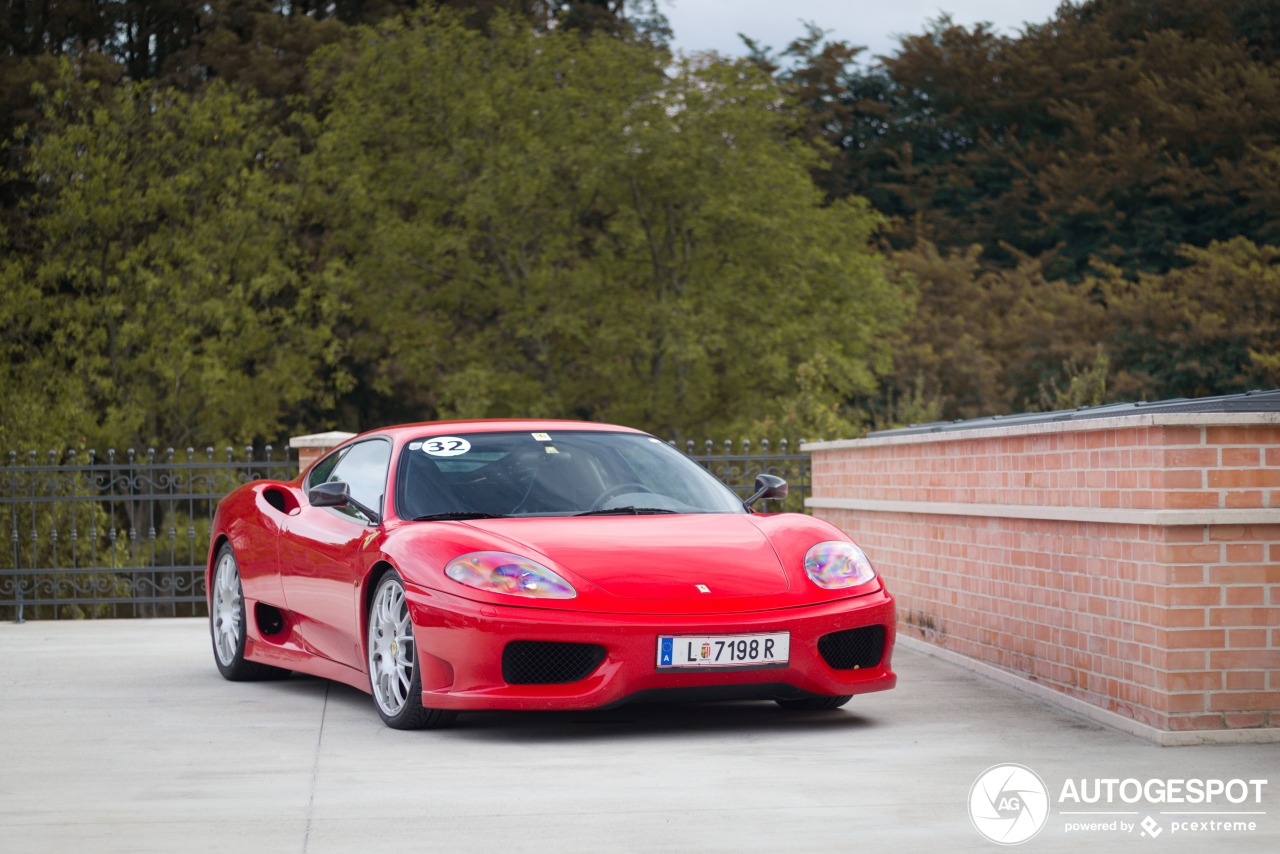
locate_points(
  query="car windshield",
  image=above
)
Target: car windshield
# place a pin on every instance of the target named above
(486, 475)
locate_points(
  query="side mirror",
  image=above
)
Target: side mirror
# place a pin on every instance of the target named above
(332, 494)
(767, 486)
(338, 494)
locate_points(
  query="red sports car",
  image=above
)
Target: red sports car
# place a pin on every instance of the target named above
(538, 565)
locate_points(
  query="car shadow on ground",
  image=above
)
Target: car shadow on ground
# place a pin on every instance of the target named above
(643, 720)
(636, 720)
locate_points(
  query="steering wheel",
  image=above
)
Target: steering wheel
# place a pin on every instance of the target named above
(618, 489)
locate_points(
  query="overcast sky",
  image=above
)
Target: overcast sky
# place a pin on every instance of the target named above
(714, 24)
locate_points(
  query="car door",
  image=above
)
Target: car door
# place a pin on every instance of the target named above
(323, 556)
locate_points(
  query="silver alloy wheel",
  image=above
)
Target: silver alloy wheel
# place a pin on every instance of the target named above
(390, 647)
(228, 605)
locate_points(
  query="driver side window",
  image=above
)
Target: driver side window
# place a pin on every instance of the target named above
(364, 469)
(320, 474)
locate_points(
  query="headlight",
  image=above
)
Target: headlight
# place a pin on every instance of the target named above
(836, 564)
(499, 572)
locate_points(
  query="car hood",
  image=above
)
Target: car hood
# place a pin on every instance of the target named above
(655, 557)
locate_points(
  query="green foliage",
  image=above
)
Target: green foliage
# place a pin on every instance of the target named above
(812, 74)
(908, 407)
(168, 297)
(467, 215)
(1117, 132)
(222, 221)
(984, 340)
(987, 341)
(1210, 327)
(552, 226)
(1053, 196)
(1086, 385)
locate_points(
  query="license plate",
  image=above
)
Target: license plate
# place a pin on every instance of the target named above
(723, 650)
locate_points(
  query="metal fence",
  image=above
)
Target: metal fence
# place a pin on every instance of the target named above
(120, 535)
(127, 534)
(738, 468)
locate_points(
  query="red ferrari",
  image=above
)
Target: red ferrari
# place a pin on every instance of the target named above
(538, 565)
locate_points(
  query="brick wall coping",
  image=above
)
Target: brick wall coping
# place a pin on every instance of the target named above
(1118, 516)
(332, 439)
(1175, 419)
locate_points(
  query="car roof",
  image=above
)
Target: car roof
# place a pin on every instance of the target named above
(402, 432)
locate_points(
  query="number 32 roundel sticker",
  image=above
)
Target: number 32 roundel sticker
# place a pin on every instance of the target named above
(446, 446)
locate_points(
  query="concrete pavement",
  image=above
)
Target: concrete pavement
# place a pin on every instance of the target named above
(121, 736)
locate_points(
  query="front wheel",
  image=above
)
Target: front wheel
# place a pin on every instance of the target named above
(393, 662)
(814, 704)
(227, 624)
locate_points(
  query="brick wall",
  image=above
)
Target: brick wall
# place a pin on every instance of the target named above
(1132, 563)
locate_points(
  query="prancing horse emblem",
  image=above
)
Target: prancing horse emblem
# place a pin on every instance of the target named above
(704, 588)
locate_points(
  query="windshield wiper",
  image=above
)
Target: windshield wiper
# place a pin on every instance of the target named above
(455, 516)
(626, 511)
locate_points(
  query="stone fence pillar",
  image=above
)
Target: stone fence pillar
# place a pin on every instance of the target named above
(313, 447)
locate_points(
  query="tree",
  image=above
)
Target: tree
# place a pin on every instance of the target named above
(992, 341)
(812, 73)
(1119, 131)
(986, 341)
(166, 295)
(548, 224)
(1209, 327)
(1046, 192)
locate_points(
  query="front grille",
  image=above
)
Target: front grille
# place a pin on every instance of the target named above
(549, 662)
(853, 648)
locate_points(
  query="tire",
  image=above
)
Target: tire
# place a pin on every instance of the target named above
(814, 704)
(395, 679)
(228, 627)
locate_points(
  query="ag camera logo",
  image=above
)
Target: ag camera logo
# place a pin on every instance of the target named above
(1008, 804)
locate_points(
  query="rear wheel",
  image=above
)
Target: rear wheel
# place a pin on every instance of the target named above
(393, 662)
(814, 704)
(228, 626)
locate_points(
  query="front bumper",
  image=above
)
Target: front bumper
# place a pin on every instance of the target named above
(460, 649)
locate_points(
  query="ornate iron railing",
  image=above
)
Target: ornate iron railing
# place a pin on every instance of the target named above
(738, 467)
(121, 535)
(127, 534)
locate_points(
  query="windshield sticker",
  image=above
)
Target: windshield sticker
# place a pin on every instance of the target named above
(413, 446)
(542, 437)
(446, 446)
(551, 449)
